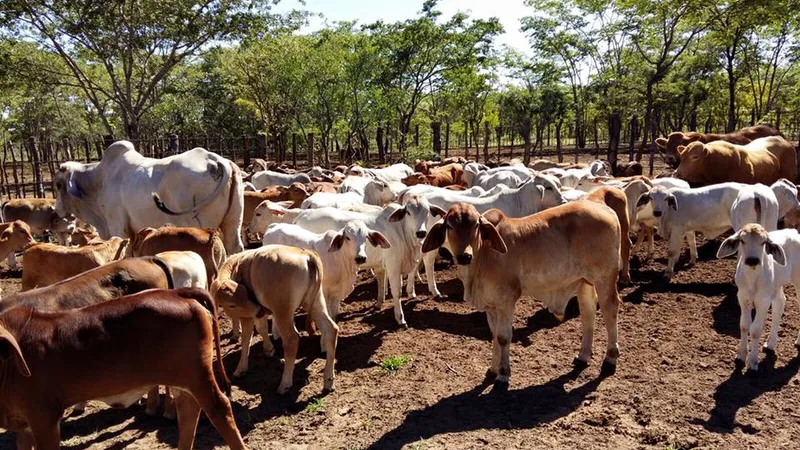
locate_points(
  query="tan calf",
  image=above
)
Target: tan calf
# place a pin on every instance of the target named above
(551, 255)
(615, 199)
(54, 360)
(14, 236)
(46, 264)
(276, 280)
(40, 214)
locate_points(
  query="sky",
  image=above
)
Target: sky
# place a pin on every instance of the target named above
(367, 11)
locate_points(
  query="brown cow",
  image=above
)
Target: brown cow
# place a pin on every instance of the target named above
(764, 160)
(506, 259)
(669, 146)
(40, 214)
(616, 199)
(44, 263)
(14, 237)
(205, 242)
(630, 169)
(114, 351)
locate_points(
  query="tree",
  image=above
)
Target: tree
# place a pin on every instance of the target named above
(123, 51)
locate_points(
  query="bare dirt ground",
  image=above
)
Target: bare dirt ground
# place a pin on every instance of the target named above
(675, 385)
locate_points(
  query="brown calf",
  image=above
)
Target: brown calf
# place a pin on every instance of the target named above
(669, 145)
(551, 255)
(45, 263)
(113, 351)
(615, 199)
(14, 236)
(205, 242)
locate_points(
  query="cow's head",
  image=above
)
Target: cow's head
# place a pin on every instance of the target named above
(297, 192)
(16, 236)
(378, 192)
(11, 354)
(75, 193)
(551, 194)
(663, 202)
(417, 178)
(267, 213)
(353, 239)
(753, 244)
(465, 230)
(693, 162)
(415, 214)
(669, 146)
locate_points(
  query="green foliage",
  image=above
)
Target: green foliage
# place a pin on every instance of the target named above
(394, 363)
(315, 406)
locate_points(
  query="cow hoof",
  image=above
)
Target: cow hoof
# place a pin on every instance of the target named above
(499, 387)
(170, 415)
(752, 372)
(239, 373)
(797, 346)
(738, 363)
(490, 376)
(403, 326)
(770, 353)
(607, 369)
(283, 390)
(579, 364)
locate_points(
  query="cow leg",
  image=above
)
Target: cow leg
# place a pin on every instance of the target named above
(673, 253)
(12, 260)
(188, 415)
(797, 299)
(236, 327)
(46, 431)
(396, 284)
(153, 401)
(247, 333)
(625, 252)
(651, 232)
(380, 276)
(429, 259)
(330, 334)
(503, 333)
(169, 405)
(291, 339)
(262, 325)
(494, 368)
(609, 307)
(691, 239)
(587, 303)
(231, 224)
(756, 331)
(778, 303)
(745, 320)
(24, 439)
(639, 240)
(411, 288)
(218, 410)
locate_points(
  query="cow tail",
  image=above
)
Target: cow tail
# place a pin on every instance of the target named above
(167, 270)
(202, 297)
(757, 207)
(223, 180)
(315, 277)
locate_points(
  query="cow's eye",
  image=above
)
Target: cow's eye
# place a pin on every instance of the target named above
(258, 214)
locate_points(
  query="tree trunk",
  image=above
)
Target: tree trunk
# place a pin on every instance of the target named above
(526, 137)
(416, 135)
(634, 136)
(436, 132)
(558, 140)
(381, 146)
(310, 149)
(614, 126)
(693, 121)
(731, 100)
(649, 126)
(486, 141)
(446, 139)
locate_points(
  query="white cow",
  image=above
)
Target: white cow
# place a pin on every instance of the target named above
(188, 269)
(767, 263)
(488, 180)
(375, 192)
(475, 172)
(403, 226)
(395, 172)
(127, 191)
(341, 252)
(265, 178)
(682, 212)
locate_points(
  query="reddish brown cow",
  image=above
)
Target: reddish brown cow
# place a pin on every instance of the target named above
(114, 351)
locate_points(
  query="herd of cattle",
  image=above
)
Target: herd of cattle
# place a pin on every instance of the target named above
(149, 249)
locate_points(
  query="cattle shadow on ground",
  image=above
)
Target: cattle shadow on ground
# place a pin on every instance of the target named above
(472, 410)
(739, 391)
(661, 285)
(727, 313)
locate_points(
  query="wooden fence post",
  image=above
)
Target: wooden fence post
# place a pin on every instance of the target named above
(14, 170)
(634, 137)
(294, 150)
(416, 135)
(246, 150)
(778, 113)
(310, 153)
(381, 145)
(262, 148)
(446, 138)
(6, 190)
(173, 144)
(486, 142)
(87, 152)
(499, 133)
(37, 169)
(693, 121)
(614, 127)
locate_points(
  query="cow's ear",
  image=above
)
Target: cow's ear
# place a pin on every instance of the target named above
(435, 238)
(286, 203)
(777, 252)
(643, 200)
(729, 246)
(437, 211)
(398, 215)
(672, 202)
(73, 188)
(489, 233)
(681, 149)
(9, 349)
(336, 243)
(5, 235)
(377, 239)
(661, 142)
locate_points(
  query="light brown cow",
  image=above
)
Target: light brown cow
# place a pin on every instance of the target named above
(40, 214)
(552, 255)
(205, 242)
(14, 236)
(764, 160)
(276, 280)
(47, 263)
(54, 360)
(669, 146)
(630, 169)
(616, 199)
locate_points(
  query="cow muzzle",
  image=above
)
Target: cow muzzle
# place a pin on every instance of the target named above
(361, 259)
(752, 261)
(656, 213)
(421, 234)
(463, 259)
